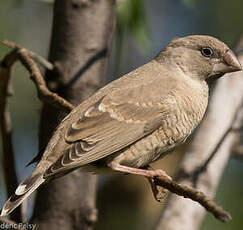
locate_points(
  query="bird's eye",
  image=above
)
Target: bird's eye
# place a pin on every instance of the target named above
(207, 52)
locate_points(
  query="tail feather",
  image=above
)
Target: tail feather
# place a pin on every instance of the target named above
(22, 192)
(27, 184)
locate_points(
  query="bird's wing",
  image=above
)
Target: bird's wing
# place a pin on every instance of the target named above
(109, 125)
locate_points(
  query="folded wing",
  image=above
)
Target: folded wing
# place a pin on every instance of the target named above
(106, 127)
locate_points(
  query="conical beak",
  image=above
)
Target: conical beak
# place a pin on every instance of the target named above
(230, 63)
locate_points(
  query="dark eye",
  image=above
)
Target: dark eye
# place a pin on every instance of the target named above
(207, 52)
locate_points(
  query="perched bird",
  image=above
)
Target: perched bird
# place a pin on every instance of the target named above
(136, 119)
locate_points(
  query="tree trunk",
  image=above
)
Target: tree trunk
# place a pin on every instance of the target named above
(80, 36)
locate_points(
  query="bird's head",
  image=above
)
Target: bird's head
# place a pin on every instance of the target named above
(199, 56)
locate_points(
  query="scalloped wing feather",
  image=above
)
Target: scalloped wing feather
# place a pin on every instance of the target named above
(105, 128)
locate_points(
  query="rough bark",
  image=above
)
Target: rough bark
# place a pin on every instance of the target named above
(182, 214)
(80, 36)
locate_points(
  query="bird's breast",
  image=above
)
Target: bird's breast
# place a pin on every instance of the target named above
(189, 111)
(183, 116)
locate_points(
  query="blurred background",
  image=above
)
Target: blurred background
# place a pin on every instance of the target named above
(143, 28)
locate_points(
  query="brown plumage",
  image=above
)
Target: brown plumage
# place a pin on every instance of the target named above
(136, 119)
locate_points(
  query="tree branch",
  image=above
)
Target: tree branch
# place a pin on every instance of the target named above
(43, 92)
(195, 195)
(39, 59)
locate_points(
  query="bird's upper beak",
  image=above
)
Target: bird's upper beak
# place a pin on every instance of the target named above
(229, 63)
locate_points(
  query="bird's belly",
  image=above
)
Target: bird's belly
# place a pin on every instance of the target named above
(166, 138)
(151, 148)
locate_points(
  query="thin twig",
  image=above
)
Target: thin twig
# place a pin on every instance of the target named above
(195, 195)
(42, 61)
(43, 92)
(48, 65)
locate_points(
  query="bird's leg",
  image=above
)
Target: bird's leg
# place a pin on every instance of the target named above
(142, 172)
(149, 174)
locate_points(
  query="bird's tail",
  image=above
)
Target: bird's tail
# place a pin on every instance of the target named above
(22, 192)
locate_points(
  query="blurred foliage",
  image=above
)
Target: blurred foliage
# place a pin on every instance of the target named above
(130, 22)
(227, 17)
(189, 2)
(131, 18)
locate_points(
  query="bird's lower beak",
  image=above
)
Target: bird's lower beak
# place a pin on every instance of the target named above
(230, 63)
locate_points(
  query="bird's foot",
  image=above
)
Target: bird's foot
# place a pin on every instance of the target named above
(159, 192)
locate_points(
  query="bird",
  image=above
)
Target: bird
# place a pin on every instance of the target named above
(136, 119)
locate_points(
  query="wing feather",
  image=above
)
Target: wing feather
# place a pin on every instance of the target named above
(107, 127)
